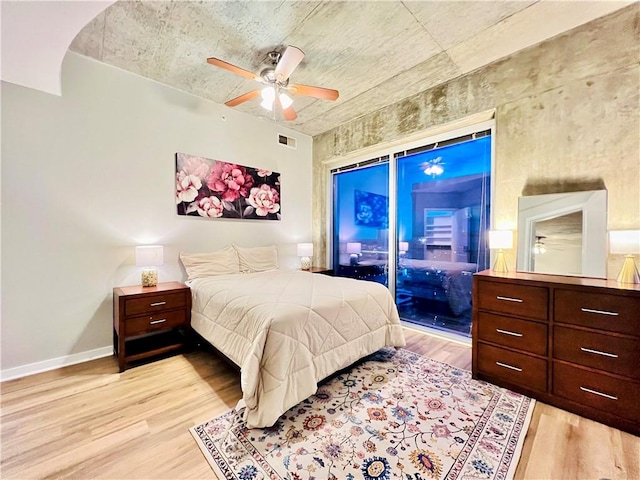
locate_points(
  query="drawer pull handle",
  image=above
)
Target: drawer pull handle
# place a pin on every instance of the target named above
(157, 304)
(509, 299)
(510, 367)
(507, 332)
(154, 322)
(600, 312)
(598, 352)
(595, 392)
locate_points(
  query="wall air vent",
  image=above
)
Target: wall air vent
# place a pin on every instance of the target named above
(286, 141)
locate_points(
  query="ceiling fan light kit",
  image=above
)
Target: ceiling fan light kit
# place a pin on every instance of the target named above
(269, 96)
(276, 78)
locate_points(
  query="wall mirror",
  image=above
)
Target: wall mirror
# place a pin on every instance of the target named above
(563, 233)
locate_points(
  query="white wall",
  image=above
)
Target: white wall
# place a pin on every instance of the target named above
(87, 176)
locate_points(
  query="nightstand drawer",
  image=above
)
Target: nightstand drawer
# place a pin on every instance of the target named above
(513, 367)
(613, 313)
(597, 390)
(521, 300)
(613, 354)
(159, 321)
(154, 303)
(513, 332)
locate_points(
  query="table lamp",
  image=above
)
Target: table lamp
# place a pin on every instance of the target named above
(148, 257)
(627, 243)
(305, 251)
(354, 249)
(499, 240)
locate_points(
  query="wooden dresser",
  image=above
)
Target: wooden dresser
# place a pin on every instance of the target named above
(568, 341)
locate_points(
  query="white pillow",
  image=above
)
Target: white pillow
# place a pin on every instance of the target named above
(221, 262)
(257, 259)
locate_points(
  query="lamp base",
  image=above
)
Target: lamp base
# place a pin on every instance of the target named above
(501, 264)
(149, 277)
(305, 263)
(629, 272)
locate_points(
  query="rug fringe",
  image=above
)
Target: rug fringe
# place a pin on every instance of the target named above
(521, 438)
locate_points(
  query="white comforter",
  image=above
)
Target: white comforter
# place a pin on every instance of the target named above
(287, 330)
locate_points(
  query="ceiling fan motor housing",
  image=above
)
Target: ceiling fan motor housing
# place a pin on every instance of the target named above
(268, 74)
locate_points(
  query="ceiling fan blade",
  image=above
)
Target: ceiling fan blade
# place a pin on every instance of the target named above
(288, 62)
(288, 113)
(232, 68)
(316, 92)
(242, 98)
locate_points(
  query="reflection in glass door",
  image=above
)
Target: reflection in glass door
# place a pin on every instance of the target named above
(361, 222)
(442, 218)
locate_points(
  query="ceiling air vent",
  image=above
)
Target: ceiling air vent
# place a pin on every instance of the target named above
(287, 141)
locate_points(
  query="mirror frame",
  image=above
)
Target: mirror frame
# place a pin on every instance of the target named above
(593, 205)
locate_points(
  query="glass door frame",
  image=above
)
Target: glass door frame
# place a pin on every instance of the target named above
(390, 150)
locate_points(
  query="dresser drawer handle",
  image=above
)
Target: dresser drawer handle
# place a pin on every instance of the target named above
(598, 352)
(507, 332)
(154, 322)
(595, 392)
(510, 367)
(600, 312)
(509, 299)
(157, 304)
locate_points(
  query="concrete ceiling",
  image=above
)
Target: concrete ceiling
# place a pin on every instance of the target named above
(374, 52)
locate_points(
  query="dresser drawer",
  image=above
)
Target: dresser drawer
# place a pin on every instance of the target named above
(516, 368)
(521, 300)
(154, 303)
(159, 321)
(599, 391)
(513, 332)
(612, 313)
(615, 355)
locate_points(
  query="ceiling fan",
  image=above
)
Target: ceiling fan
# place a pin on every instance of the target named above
(538, 247)
(275, 77)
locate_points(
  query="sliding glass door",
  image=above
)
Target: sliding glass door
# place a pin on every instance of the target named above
(441, 204)
(361, 221)
(442, 219)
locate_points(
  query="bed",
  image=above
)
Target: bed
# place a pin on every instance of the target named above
(448, 282)
(288, 330)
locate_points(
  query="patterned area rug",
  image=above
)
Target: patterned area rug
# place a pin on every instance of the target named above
(397, 415)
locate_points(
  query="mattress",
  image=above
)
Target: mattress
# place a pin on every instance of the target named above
(288, 330)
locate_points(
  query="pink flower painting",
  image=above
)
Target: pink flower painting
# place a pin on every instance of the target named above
(230, 181)
(187, 187)
(265, 200)
(210, 207)
(216, 189)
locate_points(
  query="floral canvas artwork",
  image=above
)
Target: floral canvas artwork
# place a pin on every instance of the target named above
(371, 209)
(216, 189)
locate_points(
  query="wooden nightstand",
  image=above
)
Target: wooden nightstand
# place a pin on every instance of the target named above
(149, 321)
(323, 270)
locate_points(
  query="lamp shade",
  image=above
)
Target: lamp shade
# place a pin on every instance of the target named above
(624, 242)
(354, 247)
(149, 255)
(305, 249)
(268, 96)
(285, 101)
(403, 247)
(500, 239)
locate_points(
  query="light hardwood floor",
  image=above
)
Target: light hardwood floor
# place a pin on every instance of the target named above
(89, 421)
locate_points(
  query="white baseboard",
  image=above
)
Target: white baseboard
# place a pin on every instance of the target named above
(46, 365)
